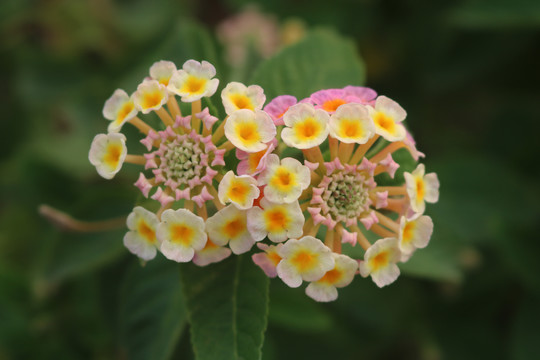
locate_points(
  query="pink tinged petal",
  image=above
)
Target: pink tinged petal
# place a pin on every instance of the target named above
(183, 194)
(150, 161)
(329, 222)
(148, 141)
(171, 183)
(314, 211)
(218, 159)
(369, 220)
(432, 188)
(210, 173)
(278, 106)
(333, 165)
(262, 260)
(367, 166)
(365, 94)
(202, 197)
(207, 119)
(203, 258)
(382, 199)
(385, 276)
(159, 176)
(184, 121)
(194, 182)
(318, 218)
(144, 185)
(390, 165)
(351, 222)
(311, 166)
(162, 197)
(348, 237)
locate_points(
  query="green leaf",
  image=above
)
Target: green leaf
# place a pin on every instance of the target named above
(322, 60)
(152, 314)
(228, 308)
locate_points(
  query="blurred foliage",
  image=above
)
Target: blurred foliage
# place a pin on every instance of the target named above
(467, 73)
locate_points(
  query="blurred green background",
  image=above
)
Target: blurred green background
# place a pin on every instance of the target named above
(467, 72)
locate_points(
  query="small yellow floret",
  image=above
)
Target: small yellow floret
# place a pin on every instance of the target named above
(181, 234)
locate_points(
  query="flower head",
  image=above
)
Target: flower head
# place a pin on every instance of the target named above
(306, 127)
(380, 262)
(162, 71)
(240, 190)
(304, 259)
(119, 109)
(237, 96)
(141, 239)
(194, 81)
(229, 226)
(180, 233)
(414, 233)
(421, 188)
(285, 180)
(107, 153)
(387, 116)
(150, 96)
(249, 130)
(277, 221)
(325, 289)
(351, 124)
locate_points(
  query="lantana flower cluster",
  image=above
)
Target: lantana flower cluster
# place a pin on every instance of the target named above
(224, 186)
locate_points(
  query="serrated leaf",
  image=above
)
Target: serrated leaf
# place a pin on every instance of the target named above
(152, 313)
(322, 60)
(227, 307)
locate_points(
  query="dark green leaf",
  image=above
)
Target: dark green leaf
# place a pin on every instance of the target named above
(152, 313)
(228, 307)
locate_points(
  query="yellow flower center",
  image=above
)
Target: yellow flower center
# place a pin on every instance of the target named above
(194, 85)
(124, 111)
(283, 179)
(332, 105)
(308, 129)
(408, 232)
(238, 191)
(146, 232)
(242, 102)
(234, 228)
(181, 234)
(164, 80)
(248, 133)
(274, 257)
(276, 219)
(254, 159)
(350, 129)
(151, 100)
(384, 122)
(112, 156)
(332, 276)
(304, 260)
(420, 189)
(378, 261)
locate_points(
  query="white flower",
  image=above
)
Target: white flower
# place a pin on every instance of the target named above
(421, 188)
(306, 127)
(194, 81)
(107, 153)
(141, 239)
